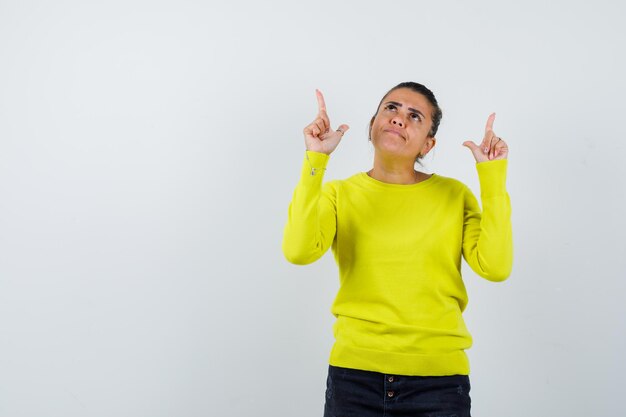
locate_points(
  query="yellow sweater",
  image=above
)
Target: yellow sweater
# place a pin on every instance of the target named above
(398, 247)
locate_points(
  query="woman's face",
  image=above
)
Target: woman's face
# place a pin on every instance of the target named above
(401, 126)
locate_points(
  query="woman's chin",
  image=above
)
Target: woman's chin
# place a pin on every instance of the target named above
(391, 145)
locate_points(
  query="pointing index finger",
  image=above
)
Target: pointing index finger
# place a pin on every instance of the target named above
(490, 120)
(320, 100)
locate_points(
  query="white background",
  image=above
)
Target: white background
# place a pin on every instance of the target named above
(149, 151)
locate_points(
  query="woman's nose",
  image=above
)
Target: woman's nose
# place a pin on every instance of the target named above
(397, 121)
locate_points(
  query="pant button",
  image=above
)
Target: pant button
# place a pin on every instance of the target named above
(389, 394)
(390, 378)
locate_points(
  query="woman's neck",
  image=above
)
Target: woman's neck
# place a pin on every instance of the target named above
(396, 173)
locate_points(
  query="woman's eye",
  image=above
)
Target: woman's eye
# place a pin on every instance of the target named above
(390, 107)
(415, 116)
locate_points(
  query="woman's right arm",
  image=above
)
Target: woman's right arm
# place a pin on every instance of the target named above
(312, 217)
(311, 221)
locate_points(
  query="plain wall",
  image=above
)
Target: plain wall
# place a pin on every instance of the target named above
(149, 151)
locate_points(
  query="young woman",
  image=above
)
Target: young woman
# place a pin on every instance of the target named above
(398, 236)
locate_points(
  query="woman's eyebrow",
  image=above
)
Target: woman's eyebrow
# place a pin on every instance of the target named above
(395, 103)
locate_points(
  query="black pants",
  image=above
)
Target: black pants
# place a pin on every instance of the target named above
(356, 393)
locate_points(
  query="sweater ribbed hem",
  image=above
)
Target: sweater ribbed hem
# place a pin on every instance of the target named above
(451, 363)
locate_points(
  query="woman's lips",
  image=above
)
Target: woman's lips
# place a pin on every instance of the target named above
(395, 132)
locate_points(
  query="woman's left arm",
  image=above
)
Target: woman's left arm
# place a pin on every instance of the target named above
(487, 236)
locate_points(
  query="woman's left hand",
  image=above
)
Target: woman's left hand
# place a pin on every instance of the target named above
(492, 147)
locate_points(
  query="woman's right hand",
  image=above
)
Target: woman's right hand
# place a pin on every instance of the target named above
(318, 136)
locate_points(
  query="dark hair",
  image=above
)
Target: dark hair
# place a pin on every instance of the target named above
(421, 89)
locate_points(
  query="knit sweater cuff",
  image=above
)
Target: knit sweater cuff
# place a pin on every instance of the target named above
(314, 165)
(492, 177)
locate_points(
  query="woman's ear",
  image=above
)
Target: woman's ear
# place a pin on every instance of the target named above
(430, 143)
